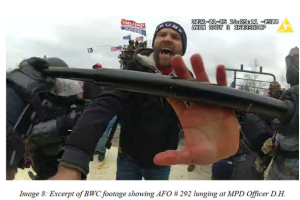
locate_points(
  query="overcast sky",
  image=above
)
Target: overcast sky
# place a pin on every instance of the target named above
(69, 38)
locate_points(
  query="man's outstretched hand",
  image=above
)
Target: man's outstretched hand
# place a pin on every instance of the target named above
(211, 132)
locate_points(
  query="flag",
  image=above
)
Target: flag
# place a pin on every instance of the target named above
(118, 48)
(132, 26)
(90, 50)
(127, 37)
(139, 39)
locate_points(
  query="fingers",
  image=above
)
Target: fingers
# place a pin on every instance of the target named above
(178, 105)
(173, 157)
(180, 68)
(221, 75)
(198, 67)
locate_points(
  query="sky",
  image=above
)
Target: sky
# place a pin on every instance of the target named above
(69, 38)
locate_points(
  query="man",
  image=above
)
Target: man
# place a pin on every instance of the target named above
(92, 91)
(150, 124)
(131, 45)
(285, 146)
(137, 44)
(275, 90)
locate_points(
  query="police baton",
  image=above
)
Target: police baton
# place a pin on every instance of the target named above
(177, 88)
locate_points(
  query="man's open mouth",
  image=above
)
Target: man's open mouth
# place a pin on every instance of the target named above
(166, 51)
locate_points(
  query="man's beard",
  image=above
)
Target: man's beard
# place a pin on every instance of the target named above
(157, 60)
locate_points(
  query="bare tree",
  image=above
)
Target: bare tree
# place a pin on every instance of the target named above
(252, 84)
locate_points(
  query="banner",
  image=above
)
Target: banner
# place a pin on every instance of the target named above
(127, 37)
(119, 48)
(132, 26)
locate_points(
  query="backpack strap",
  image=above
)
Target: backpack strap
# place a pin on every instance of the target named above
(29, 97)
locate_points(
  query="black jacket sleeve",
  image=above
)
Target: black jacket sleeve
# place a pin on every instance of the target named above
(291, 128)
(92, 124)
(90, 127)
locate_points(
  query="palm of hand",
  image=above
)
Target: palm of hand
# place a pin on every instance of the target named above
(211, 132)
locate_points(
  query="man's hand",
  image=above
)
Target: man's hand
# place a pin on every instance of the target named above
(65, 173)
(211, 132)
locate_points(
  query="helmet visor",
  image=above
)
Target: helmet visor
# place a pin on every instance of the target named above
(66, 87)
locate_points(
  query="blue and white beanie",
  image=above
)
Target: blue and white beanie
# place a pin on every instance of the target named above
(176, 27)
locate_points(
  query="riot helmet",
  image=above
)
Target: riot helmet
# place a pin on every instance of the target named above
(56, 62)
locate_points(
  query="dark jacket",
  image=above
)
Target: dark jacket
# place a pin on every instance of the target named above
(91, 90)
(149, 125)
(288, 132)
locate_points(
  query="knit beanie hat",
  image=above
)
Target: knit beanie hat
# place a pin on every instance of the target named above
(177, 27)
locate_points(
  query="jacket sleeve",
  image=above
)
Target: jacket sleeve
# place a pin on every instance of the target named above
(291, 128)
(92, 124)
(90, 127)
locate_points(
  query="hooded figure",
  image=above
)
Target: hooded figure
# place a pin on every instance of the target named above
(285, 164)
(292, 67)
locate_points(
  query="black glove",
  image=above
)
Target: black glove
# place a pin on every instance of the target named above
(42, 128)
(37, 63)
(65, 123)
(29, 75)
(43, 134)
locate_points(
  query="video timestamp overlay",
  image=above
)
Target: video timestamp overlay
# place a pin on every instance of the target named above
(234, 24)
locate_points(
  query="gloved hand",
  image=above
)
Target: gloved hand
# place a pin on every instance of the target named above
(268, 146)
(43, 128)
(65, 123)
(43, 134)
(37, 63)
